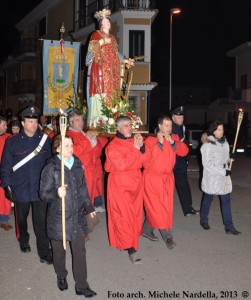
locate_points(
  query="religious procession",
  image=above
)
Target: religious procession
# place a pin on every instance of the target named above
(81, 164)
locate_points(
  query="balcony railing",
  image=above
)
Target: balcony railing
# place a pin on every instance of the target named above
(24, 86)
(84, 16)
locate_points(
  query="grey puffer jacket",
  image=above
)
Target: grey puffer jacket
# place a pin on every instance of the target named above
(215, 159)
(77, 199)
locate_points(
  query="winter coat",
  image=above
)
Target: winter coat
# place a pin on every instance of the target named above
(77, 199)
(215, 159)
(24, 182)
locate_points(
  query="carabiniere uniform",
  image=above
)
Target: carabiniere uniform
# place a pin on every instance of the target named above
(25, 180)
(22, 161)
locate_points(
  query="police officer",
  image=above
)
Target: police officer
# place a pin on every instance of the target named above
(23, 158)
(180, 168)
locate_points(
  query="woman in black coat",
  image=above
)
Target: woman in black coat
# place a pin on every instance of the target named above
(77, 202)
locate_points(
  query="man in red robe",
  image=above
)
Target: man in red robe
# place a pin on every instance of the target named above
(159, 181)
(5, 204)
(99, 172)
(124, 159)
(84, 148)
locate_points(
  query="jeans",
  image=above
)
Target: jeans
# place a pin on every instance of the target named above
(4, 219)
(225, 209)
(98, 201)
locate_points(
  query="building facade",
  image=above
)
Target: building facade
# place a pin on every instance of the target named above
(21, 73)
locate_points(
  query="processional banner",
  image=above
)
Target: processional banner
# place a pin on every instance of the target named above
(60, 74)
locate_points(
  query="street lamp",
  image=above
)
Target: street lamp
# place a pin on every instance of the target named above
(172, 12)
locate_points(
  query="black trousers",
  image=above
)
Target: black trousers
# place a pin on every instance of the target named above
(184, 191)
(39, 210)
(78, 253)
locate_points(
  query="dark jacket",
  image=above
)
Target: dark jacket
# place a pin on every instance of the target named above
(77, 199)
(181, 161)
(24, 182)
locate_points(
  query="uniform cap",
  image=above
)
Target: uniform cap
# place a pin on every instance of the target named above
(178, 111)
(31, 112)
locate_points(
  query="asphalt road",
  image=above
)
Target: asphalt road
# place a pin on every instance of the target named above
(204, 265)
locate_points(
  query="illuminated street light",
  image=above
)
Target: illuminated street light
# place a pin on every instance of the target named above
(172, 12)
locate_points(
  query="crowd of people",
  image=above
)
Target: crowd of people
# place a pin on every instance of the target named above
(142, 174)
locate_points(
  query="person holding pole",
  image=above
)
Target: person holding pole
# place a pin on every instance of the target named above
(215, 161)
(77, 202)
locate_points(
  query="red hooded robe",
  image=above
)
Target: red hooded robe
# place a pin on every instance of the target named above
(124, 193)
(5, 204)
(159, 181)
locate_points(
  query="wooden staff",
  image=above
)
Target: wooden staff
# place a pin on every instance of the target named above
(122, 74)
(62, 123)
(129, 86)
(240, 118)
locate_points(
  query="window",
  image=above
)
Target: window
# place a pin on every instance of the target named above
(42, 27)
(133, 102)
(244, 81)
(136, 43)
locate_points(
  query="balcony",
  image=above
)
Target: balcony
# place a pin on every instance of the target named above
(84, 16)
(26, 86)
(138, 4)
(25, 49)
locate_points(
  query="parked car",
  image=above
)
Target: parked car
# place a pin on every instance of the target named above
(193, 140)
(243, 146)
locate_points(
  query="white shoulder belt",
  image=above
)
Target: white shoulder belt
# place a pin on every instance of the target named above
(31, 155)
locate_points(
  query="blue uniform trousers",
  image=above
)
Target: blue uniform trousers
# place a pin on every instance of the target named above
(39, 209)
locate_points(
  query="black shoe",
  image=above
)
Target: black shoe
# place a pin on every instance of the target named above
(192, 212)
(170, 243)
(232, 231)
(87, 292)
(91, 291)
(204, 226)
(46, 259)
(25, 248)
(62, 283)
(151, 236)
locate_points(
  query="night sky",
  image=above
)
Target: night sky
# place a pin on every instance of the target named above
(202, 34)
(11, 12)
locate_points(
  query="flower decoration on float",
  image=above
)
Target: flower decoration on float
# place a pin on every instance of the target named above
(119, 106)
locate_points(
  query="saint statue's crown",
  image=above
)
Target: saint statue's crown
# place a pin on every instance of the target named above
(104, 13)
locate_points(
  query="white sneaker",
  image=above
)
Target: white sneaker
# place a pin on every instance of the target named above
(99, 209)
